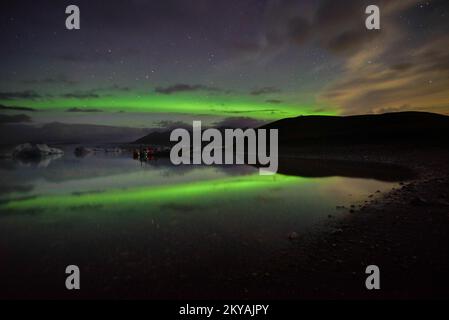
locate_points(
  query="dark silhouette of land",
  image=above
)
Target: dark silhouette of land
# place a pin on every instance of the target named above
(157, 137)
(13, 133)
(388, 128)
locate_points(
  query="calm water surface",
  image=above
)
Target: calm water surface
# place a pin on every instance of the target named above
(154, 226)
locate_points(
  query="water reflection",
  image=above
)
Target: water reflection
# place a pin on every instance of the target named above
(167, 223)
(316, 168)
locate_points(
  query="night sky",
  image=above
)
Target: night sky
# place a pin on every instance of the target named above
(154, 63)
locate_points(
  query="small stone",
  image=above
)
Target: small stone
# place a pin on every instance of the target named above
(337, 231)
(293, 236)
(418, 201)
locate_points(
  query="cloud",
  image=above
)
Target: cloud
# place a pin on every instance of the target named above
(401, 67)
(275, 101)
(4, 118)
(181, 87)
(239, 122)
(351, 41)
(272, 111)
(116, 87)
(2, 107)
(389, 72)
(26, 94)
(81, 94)
(83, 110)
(171, 125)
(340, 28)
(333, 25)
(299, 29)
(265, 90)
(333, 15)
(420, 83)
(59, 79)
(95, 93)
(230, 122)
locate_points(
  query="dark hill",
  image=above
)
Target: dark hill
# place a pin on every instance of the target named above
(158, 137)
(388, 128)
(163, 137)
(400, 127)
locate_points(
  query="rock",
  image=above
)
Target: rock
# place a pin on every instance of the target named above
(293, 236)
(418, 201)
(337, 231)
(443, 203)
(82, 151)
(34, 151)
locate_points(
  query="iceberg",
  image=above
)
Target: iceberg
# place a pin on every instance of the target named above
(29, 151)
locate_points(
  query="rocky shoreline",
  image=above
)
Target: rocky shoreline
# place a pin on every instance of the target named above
(405, 232)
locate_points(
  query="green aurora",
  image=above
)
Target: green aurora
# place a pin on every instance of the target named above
(195, 104)
(154, 194)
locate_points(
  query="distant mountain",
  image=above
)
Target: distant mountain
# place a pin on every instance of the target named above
(157, 137)
(163, 137)
(401, 127)
(56, 132)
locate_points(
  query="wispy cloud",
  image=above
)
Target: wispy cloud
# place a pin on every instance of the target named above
(59, 79)
(14, 108)
(275, 101)
(81, 94)
(239, 122)
(389, 73)
(182, 87)
(26, 94)
(265, 90)
(83, 110)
